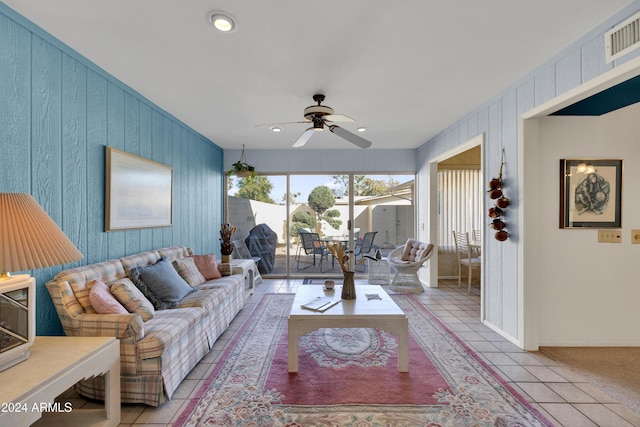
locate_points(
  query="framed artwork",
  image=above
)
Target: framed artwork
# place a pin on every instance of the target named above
(590, 193)
(138, 192)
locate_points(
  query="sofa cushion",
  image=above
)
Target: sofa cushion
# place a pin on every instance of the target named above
(103, 301)
(207, 265)
(161, 284)
(132, 299)
(186, 268)
(81, 291)
(167, 327)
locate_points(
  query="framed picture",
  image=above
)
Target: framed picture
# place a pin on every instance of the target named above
(138, 192)
(590, 193)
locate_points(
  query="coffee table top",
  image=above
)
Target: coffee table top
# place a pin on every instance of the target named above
(361, 307)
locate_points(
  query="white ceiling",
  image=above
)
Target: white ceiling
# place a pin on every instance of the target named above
(405, 69)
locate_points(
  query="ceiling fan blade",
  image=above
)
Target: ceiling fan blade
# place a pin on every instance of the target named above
(278, 124)
(304, 138)
(338, 118)
(351, 137)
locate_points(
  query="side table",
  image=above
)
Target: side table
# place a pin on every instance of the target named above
(248, 268)
(379, 273)
(28, 389)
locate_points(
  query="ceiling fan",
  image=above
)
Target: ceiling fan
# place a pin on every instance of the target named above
(322, 115)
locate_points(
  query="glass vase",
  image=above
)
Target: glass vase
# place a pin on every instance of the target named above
(349, 286)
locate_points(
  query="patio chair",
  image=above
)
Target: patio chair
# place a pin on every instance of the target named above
(313, 246)
(240, 251)
(465, 257)
(407, 260)
(364, 246)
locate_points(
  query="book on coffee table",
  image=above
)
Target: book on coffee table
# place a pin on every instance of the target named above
(320, 304)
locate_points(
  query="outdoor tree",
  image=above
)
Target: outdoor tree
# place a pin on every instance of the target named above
(321, 200)
(365, 186)
(255, 188)
(302, 219)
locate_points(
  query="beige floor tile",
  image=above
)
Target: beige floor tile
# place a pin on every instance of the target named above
(545, 374)
(567, 415)
(540, 392)
(602, 415)
(571, 393)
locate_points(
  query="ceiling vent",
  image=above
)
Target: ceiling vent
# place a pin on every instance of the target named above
(623, 38)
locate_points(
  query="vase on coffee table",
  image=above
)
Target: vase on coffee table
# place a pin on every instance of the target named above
(349, 286)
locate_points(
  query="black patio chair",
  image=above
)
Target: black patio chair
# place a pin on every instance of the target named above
(313, 246)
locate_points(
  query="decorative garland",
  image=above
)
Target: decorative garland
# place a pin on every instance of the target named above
(501, 202)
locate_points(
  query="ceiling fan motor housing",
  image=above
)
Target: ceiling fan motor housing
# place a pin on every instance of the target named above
(317, 111)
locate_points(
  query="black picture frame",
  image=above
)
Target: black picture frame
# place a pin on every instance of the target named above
(590, 193)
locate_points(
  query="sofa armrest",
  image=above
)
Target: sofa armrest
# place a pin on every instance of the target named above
(110, 325)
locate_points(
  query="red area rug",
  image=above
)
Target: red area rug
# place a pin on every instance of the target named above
(334, 364)
(349, 377)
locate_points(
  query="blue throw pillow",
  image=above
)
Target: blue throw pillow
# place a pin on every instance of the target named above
(161, 284)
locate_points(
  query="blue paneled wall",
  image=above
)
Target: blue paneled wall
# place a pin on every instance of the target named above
(58, 112)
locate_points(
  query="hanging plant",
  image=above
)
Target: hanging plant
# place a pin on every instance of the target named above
(241, 168)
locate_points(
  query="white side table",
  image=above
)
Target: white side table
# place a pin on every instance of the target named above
(28, 389)
(379, 273)
(248, 269)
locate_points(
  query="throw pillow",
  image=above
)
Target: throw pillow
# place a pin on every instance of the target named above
(161, 284)
(103, 301)
(186, 268)
(207, 265)
(132, 299)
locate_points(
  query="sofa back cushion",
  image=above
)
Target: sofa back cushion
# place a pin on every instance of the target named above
(174, 252)
(139, 260)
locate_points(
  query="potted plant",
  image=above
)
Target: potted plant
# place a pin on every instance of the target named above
(241, 168)
(226, 246)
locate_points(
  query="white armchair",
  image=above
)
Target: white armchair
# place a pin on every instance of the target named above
(407, 260)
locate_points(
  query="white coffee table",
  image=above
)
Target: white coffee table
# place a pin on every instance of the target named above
(357, 313)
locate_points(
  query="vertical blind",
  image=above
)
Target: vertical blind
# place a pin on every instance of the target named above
(459, 204)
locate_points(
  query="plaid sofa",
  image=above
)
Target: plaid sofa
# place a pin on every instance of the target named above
(155, 355)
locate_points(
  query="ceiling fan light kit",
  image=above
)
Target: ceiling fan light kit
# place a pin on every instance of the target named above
(323, 115)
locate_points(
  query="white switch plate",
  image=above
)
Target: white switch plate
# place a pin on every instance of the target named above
(609, 236)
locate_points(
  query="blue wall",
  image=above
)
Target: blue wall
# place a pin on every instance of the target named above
(58, 111)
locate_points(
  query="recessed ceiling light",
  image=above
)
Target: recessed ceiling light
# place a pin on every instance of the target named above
(361, 129)
(222, 21)
(275, 129)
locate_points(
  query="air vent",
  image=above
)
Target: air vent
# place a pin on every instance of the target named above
(623, 38)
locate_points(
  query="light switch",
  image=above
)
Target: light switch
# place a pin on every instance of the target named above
(635, 236)
(609, 236)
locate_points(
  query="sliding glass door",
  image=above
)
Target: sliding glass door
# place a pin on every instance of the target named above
(304, 214)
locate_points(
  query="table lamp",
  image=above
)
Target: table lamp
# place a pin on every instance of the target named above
(29, 240)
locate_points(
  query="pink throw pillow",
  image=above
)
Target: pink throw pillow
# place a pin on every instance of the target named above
(207, 265)
(103, 301)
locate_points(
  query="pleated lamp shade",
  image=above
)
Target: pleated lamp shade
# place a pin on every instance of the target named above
(29, 238)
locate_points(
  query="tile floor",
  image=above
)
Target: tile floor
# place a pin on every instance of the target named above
(554, 390)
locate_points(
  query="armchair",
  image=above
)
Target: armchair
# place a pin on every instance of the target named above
(407, 260)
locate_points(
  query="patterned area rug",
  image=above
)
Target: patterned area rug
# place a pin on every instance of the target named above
(349, 377)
